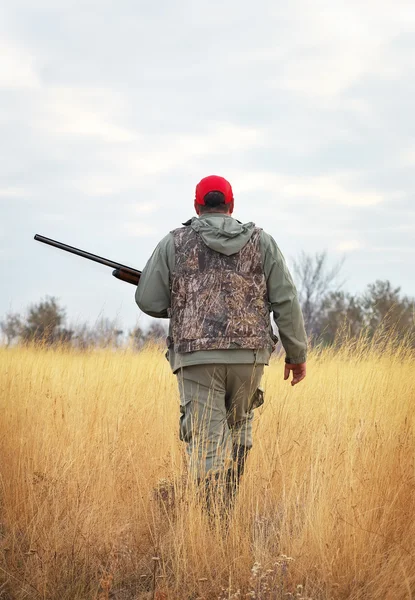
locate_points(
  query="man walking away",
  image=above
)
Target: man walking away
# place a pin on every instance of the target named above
(218, 280)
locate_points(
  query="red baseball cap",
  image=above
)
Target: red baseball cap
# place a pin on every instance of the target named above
(213, 183)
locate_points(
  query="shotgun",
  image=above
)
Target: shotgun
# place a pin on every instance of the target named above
(120, 271)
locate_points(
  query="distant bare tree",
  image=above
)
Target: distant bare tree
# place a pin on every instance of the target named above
(340, 311)
(106, 333)
(315, 279)
(44, 323)
(136, 337)
(383, 303)
(83, 336)
(157, 332)
(11, 327)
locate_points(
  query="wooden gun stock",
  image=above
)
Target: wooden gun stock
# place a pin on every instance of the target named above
(127, 276)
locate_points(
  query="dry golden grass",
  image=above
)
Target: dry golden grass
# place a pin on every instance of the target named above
(326, 510)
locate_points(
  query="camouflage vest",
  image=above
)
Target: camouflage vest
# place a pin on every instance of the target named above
(217, 301)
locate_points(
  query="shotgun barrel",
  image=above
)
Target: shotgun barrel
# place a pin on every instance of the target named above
(122, 272)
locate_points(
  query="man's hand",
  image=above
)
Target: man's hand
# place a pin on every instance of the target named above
(299, 372)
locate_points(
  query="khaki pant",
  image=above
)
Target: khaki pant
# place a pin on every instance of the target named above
(216, 404)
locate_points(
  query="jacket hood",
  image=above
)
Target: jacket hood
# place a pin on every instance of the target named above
(222, 233)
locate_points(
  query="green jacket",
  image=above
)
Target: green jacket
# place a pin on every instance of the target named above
(225, 234)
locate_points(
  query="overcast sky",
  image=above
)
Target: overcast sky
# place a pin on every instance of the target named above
(111, 112)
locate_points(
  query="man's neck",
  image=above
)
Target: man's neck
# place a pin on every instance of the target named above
(214, 214)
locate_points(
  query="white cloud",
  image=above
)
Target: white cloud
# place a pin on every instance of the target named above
(324, 74)
(167, 152)
(348, 246)
(53, 218)
(13, 192)
(103, 184)
(85, 112)
(140, 229)
(330, 189)
(17, 67)
(130, 166)
(386, 249)
(146, 207)
(407, 158)
(332, 46)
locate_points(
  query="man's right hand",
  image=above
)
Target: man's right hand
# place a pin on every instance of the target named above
(299, 372)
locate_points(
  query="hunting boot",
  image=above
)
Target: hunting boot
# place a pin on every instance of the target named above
(211, 489)
(234, 474)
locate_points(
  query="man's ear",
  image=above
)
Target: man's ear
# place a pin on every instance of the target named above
(197, 208)
(231, 207)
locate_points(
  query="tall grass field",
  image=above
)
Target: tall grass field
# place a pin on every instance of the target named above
(96, 503)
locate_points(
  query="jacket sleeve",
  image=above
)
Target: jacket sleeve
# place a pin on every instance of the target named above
(153, 291)
(284, 302)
